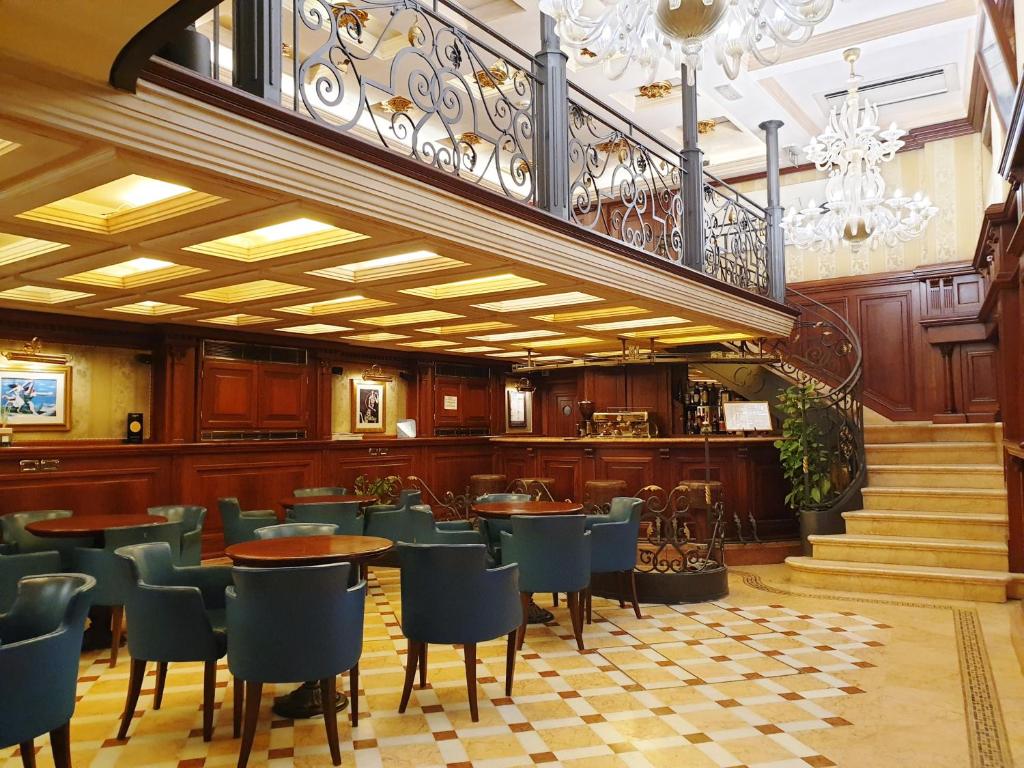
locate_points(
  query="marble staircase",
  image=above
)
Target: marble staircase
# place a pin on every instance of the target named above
(933, 523)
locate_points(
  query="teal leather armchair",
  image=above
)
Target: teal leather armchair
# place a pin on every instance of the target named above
(326, 490)
(175, 614)
(553, 554)
(289, 625)
(492, 529)
(191, 518)
(613, 541)
(486, 607)
(345, 514)
(415, 524)
(13, 568)
(112, 582)
(287, 530)
(241, 526)
(20, 541)
(42, 640)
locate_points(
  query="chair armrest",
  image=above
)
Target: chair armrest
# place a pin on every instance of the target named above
(504, 578)
(211, 580)
(455, 525)
(6, 548)
(258, 514)
(457, 537)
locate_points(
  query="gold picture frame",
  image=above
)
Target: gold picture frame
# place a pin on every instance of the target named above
(369, 406)
(36, 396)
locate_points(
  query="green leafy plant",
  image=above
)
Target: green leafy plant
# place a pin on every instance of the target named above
(386, 489)
(805, 461)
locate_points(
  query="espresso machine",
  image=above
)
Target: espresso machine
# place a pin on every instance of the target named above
(619, 423)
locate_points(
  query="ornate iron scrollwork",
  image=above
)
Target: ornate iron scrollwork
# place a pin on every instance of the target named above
(735, 238)
(669, 542)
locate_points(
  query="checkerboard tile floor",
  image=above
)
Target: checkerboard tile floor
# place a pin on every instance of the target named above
(697, 685)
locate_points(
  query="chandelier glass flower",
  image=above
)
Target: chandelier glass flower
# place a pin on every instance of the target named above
(856, 210)
(618, 32)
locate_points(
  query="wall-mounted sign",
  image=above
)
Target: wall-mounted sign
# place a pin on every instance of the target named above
(451, 403)
(516, 409)
(747, 417)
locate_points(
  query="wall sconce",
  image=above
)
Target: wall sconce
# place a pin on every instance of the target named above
(32, 352)
(374, 373)
(525, 385)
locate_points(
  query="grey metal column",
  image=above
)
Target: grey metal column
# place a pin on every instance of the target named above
(551, 126)
(692, 182)
(257, 47)
(776, 237)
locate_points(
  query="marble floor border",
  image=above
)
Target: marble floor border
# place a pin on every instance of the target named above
(989, 745)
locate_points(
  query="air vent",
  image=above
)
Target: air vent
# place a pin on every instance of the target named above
(461, 431)
(254, 434)
(898, 90)
(461, 371)
(232, 350)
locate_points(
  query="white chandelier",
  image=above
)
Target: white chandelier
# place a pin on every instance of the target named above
(617, 32)
(856, 210)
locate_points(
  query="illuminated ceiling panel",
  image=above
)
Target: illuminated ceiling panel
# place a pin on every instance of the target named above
(539, 302)
(706, 338)
(472, 350)
(517, 335)
(592, 314)
(15, 248)
(238, 319)
(134, 273)
(7, 146)
(150, 308)
(517, 353)
(659, 332)
(389, 267)
(336, 306)
(37, 294)
(251, 291)
(378, 336)
(277, 240)
(476, 287)
(428, 343)
(575, 341)
(647, 322)
(407, 318)
(445, 330)
(126, 203)
(315, 328)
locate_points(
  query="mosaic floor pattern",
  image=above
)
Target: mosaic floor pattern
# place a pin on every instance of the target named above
(730, 684)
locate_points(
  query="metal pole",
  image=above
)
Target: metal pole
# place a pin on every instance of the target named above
(257, 48)
(691, 160)
(776, 237)
(551, 129)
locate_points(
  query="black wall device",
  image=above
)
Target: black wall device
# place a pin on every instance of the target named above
(133, 428)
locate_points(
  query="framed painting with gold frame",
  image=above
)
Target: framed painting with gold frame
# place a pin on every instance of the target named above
(369, 407)
(36, 396)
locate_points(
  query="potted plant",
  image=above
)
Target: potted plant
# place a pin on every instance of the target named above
(806, 464)
(386, 489)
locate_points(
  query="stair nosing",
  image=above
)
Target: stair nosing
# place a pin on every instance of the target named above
(911, 490)
(976, 518)
(887, 570)
(912, 542)
(936, 468)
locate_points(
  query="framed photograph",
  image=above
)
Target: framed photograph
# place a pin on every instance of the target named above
(36, 396)
(368, 406)
(1000, 75)
(516, 409)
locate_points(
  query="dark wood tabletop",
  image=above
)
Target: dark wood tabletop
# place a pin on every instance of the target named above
(307, 550)
(505, 509)
(88, 525)
(363, 501)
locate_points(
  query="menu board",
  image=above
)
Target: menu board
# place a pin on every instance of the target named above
(747, 417)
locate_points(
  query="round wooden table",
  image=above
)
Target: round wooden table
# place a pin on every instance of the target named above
(505, 509)
(87, 526)
(363, 501)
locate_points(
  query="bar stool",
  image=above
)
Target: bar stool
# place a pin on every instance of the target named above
(538, 487)
(483, 484)
(598, 494)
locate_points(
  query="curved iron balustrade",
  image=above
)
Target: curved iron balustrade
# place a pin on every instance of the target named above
(735, 237)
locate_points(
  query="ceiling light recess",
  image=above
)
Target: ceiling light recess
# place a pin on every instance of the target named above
(539, 302)
(276, 240)
(389, 267)
(251, 291)
(150, 308)
(134, 273)
(407, 318)
(336, 306)
(15, 248)
(477, 286)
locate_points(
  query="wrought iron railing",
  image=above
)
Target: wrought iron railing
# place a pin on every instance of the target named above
(735, 237)
(682, 530)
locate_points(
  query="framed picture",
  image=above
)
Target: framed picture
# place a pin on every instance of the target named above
(516, 409)
(1000, 74)
(36, 396)
(368, 406)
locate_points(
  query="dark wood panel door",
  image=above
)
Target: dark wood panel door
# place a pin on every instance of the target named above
(283, 396)
(979, 379)
(476, 403)
(637, 469)
(567, 471)
(560, 413)
(890, 364)
(229, 395)
(447, 401)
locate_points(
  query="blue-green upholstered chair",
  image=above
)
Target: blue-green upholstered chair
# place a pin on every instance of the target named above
(613, 541)
(288, 625)
(191, 518)
(407, 497)
(486, 607)
(175, 614)
(241, 526)
(112, 582)
(415, 524)
(491, 529)
(20, 541)
(554, 556)
(287, 530)
(42, 640)
(13, 568)
(326, 490)
(344, 514)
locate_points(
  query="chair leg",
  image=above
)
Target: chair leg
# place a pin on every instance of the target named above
(353, 694)
(209, 688)
(138, 672)
(554, 599)
(238, 687)
(622, 589)
(328, 692)
(423, 665)
(161, 678)
(510, 662)
(412, 658)
(60, 744)
(576, 614)
(469, 650)
(631, 576)
(28, 753)
(589, 597)
(253, 693)
(524, 601)
(116, 630)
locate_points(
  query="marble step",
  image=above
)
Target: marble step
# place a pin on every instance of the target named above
(959, 453)
(904, 550)
(916, 580)
(931, 433)
(935, 475)
(988, 500)
(944, 525)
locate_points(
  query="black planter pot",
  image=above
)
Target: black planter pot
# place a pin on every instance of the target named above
(819, 523)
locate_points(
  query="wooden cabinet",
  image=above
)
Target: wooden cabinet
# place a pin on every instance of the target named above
(252, 395)
(448, 401)
(283, 396)
(461, 402)
(343, 466)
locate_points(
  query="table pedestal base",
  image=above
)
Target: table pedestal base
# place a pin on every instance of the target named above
(305, 702)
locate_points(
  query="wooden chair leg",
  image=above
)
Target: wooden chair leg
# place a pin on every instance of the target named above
(161, 679)
(28, 753)
(60, 744)
(328, 692)
(554, 599)
(353, 694)
(510, 662)
(209, 688)
(423, 665)
(412, 658)
(469, 650)
(135, 677)
(116, 630)
(631, 576)
(238, 687)
(253, 693)
(576, 614)
(524, 601)
(589, 597)
(622, 590)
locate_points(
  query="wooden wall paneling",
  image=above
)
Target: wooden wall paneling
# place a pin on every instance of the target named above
(283, 396)
(448, 468)
(650, 387)
(690, 465)
(765, 496)
(322, 399)
(344, 465)
(174, 392)
(605, 387)
(978, 380)
(448, 401)
(229, 395)
(516, 462)
(560, 414)
(889, 366)
(475, 402)
(566, 467)
(638, 468)
(424, 399)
